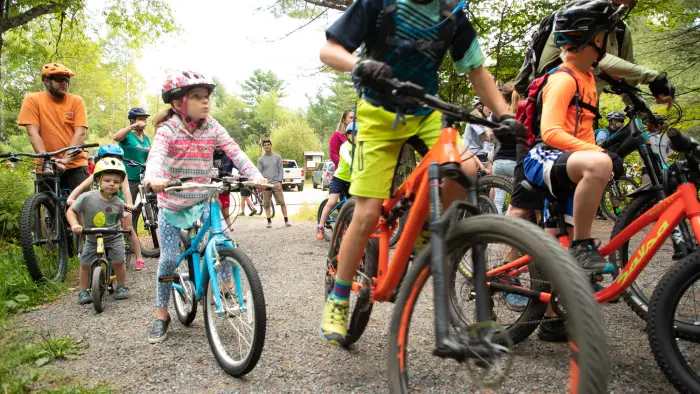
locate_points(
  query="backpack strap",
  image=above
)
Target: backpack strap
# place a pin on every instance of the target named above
(387, 31)
(575, 101)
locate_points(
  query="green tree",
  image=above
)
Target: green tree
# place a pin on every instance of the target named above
(232, 115)
(292, 137)
(260, 84)
(220, 96)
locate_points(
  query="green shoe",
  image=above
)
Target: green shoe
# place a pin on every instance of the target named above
(122, 293)
(334, 325)
(84, 297)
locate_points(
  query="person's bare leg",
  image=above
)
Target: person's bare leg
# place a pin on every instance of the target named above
(332, 200)
(284, 210)
(520, 213)
(591, 172)
(84, 277)
(120, 272)
(364, 221)
(133, 238)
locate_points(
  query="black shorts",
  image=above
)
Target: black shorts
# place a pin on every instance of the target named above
(339, 186)
(245, 192)
(521, 197)
(69, 180)
(134, 189)
(483, 157)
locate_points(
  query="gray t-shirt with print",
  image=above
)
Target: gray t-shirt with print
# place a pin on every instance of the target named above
(98, 212)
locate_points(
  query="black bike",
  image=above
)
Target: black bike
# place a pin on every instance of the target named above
(145, 216)
(44, 231)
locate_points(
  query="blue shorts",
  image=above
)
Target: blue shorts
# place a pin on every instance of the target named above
(339, 186)
(547, 168)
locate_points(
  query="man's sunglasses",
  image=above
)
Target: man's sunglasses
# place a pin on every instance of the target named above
(61, 79)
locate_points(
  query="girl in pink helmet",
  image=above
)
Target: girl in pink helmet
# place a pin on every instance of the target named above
(183, 147)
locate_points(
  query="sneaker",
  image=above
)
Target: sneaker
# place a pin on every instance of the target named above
(319, 233)
(254, 212)
(588, 257)
(552, 330)
(122, 293)
(84, 297)
(515, 302)
(241, 213)
(159, 331)
(287, 224)
(269, 225)
(140, 265)
(334, 324)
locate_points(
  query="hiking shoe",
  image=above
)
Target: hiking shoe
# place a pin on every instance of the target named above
(287, 224)
(121, 293)
(514, 302)
(140, 265)
(84, 297)
(552, 330)
(159, 331)
(319, 233)
(269, 225)
(334, 324)
(241, 213)
(255, 212)
(588, 257)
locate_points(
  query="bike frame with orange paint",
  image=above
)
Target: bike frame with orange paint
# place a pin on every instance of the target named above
(415, 186)
(667, 214)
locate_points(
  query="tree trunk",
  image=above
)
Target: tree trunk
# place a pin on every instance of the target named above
(3, 136)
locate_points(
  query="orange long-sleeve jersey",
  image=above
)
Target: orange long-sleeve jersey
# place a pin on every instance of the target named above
(561, 129)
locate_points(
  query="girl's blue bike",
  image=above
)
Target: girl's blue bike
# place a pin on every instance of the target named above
(214, 272)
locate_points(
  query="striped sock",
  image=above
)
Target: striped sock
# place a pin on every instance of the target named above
(341, 290)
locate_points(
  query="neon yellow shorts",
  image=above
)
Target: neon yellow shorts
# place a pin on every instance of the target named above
(378, 147)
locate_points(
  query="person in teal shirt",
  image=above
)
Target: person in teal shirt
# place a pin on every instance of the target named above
(340, 183)
(136, 146)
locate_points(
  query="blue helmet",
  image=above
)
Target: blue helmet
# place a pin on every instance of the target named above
(110, 149)
(134, 112)
(351, 127)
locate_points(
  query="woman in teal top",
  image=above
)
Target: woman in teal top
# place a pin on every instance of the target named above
(136, 146)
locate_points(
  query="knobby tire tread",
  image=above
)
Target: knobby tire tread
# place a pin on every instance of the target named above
(27, 241)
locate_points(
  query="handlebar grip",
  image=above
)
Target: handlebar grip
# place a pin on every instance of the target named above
(174, 183)
(90, 146)
(679, 142)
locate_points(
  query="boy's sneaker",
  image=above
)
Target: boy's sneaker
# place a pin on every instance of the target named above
(319, 233)
(514, 302)
(140, 265)
(269, 225)
(253, 213)
(552, 330)
(84, 297)
(241, 213)
(588, 257)
(334, 324)
(159, 331)
(122, 293)
(287, 224)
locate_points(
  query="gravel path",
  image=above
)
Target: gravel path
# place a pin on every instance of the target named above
(290, 262)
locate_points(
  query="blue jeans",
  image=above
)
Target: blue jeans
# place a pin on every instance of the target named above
(505, 168)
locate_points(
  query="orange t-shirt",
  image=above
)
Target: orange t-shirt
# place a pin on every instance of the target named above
(56, 120)
(559, 119)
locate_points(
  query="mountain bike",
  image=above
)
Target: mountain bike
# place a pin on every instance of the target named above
(145, 215)
(102, 276)
(44, 231)
(257, 198)
(213, 270)
(478, 344)
(673, 325)
(332, 215)
(615, 197)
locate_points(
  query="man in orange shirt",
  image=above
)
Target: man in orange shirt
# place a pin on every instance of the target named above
(55, 119)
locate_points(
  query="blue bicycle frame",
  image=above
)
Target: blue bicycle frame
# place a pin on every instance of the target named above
(202, 272)
(337, 207)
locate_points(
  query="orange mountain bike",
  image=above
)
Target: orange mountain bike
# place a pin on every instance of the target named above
(478, 345)
(667, 214)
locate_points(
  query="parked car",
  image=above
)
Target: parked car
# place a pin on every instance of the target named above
(323, 172)
(293, 175)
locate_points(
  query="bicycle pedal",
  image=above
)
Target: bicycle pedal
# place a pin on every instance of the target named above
(164, 279)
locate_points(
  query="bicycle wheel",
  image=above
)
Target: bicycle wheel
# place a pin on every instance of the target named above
(326, 226)
(639, 292)
(588, 372)
(44, 248)
(360, 303)
(615, 198)
(674, 326)
(98, 288)
(399, 230)
(145, 223)
(241, 320)
(502, 184)
(185, 302)
(487, 206)
(256, 198)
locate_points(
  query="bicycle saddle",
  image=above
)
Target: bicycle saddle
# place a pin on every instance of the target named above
(531, 187)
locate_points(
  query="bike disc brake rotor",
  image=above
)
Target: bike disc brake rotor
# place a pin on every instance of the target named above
(490, 371)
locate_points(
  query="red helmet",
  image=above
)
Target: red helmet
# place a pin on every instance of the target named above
(55, 69)
(179, 82)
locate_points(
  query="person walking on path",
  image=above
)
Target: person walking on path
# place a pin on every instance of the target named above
(270, 165)
(338, 137)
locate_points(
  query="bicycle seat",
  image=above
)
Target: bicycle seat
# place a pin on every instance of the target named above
(531, 187)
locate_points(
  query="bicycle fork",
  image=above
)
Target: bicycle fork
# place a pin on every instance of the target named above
(446, 346)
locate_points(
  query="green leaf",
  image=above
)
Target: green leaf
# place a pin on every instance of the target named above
(9, 304)
(42, 361)
(22, 298)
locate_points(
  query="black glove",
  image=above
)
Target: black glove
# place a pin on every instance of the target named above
(368, 73)
(511, 130)
(662, 87)
(618, 164)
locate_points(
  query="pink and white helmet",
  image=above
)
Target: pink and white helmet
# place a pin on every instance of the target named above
(179, 82)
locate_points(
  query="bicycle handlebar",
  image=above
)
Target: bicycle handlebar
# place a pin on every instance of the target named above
(219, 183)
(47, 155)
(105, 230)
(683, 143)
(621, 87)
(132, 163)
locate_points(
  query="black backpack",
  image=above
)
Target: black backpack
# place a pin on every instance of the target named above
(531, 63)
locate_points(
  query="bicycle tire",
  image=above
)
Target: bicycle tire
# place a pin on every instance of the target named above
(98, 288)
(318, 220)
(185, 311)
(149, 251)
(361, 311)
(26, 238)
(488, 182)
(634, 296)
(258, 311)
(604, 206)
(590, 372)
(486, 206)
(396, 235)
(663, 328)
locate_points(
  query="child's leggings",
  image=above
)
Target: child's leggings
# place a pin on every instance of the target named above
(169, 252)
